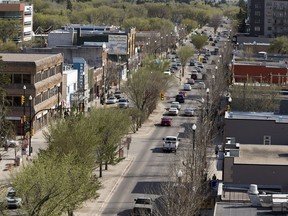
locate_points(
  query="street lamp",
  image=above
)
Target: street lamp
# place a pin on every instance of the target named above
(120, 71)
(194, 127)
(216, 68)
(30, 126)
(58, 99)
(229, 104)
(207, 94)
(24, 111)
(180, 175)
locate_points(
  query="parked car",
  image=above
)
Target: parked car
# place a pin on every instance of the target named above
(191, 81)
(166, 121)
(187, 87)
(173, 111)
(176, 105)
(143, 206)
(11, 200)
(180, 98)
(123, 103)
(182, 93)
(204, 60)
(189, 112)
(167, 72)
(112, 100)
(117, 94)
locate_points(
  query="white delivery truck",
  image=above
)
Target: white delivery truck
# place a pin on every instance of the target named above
(170, 143)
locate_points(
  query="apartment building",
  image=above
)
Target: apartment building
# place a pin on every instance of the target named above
(35, 75)
(14, 10)
(268, 18)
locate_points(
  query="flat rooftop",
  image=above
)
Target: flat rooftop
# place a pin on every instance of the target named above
(242, 209)
(257, 116)
(262, 154)
(24, 57)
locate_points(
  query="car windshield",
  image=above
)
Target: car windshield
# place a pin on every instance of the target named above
(122, 100)
(142, 201)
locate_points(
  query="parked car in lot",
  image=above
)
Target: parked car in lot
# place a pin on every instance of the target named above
(166, 121)
(187, 87)
(173, 111)
(180, 98)
(182, 93)
(123, 103)
(176, 104)
(11, 200)
(189, 112)
(112, 100)
(191, 81)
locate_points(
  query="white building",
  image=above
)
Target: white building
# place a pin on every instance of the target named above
(70, 85)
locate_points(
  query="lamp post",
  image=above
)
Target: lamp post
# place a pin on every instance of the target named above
(120, 71)
(30, 126)
(24, 111)
(180, 175)
(161, 46)
(229, 104)
(207, 94)
(58, 98)
(194, 127)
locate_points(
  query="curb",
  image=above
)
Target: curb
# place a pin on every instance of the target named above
(115, 186)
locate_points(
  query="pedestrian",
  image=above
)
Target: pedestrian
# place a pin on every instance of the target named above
(216, 150)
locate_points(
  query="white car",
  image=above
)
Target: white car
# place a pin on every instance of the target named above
(123, 103)
(176, 105)
(187, 87)
(189, 112)
(112, 100)
(173, 111)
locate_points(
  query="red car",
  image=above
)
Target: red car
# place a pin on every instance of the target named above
(165, 121)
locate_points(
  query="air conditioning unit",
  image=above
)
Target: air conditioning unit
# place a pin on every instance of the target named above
(267, 140)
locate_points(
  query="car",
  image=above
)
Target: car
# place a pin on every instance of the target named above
(189, 112)
(190, 81)
(11, 201)
(204, 60)
(143, 206)
(180, 98)
(123, 103)
(167, 72)
(117, 94)
(200, 65)
(194, 76)
(176, 104)
(9, 142)
(182, 93)
(187, 87)
(179, 64)
(192, 63)
(166, 121)
(112, 100)
(173, 111)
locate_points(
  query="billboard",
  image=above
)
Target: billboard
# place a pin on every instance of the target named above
(117, 44)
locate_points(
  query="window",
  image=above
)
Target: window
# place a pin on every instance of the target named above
(257, 13)
(269, 21)
(68, 89)
(257, 6)
(269, 28)
(257, 21)
(267, 140)
(9, 101)
(26, 78)
(17, 78)
(38, 99)
(17, 101)
(75, 87)
(257, 28)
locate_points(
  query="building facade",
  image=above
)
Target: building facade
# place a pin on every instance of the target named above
(14, 10)
(268, 18)
(35, 75)
(70, 86)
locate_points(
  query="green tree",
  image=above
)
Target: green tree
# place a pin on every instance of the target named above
(52, 185)
(9, 29)
(199, 41)
(279, 45)
(184, 53)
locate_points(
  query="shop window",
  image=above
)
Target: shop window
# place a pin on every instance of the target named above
(27, 78)
(17, 78)
(17, 101)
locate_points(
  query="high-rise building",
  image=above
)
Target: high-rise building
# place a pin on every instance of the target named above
(268, 18)
(13, 9)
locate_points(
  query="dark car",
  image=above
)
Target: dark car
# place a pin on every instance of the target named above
(180, 98)
(117, 94)
(166, 121)
(194, 76)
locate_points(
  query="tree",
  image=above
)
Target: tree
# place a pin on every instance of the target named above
(184, 53)
(215, 22)
(52, 185)
(279, 45)
(9, 29)
(199, 41)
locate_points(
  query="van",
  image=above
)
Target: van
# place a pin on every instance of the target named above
(180, 98)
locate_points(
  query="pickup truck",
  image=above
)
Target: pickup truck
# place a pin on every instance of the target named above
(170, 143)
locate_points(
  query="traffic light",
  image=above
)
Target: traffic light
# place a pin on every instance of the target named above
(162, 96)
(22, 100)
(24, 118)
